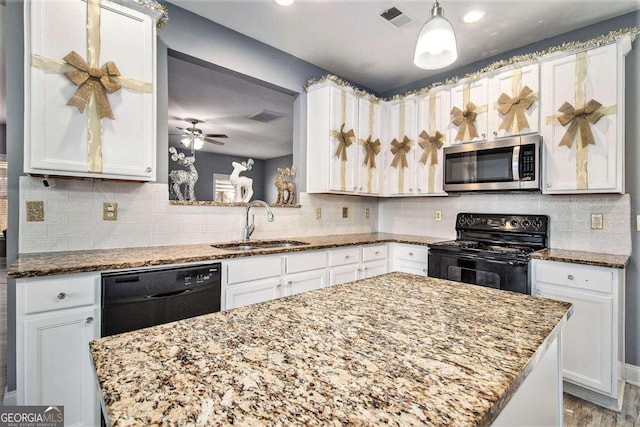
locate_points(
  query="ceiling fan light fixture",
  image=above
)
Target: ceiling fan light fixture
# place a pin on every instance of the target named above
(436, 45)
(186, 141)
(198, 143)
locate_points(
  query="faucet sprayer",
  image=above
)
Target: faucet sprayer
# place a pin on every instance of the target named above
(249, 228)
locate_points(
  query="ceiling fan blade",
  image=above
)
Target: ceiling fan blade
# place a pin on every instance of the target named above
(216, 135)
(213, 141)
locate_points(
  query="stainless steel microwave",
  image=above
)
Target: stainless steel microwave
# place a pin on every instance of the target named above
(503, 164)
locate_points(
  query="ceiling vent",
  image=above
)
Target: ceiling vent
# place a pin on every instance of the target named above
(396, 17)
(266, 116)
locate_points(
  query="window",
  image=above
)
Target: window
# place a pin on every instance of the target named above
(223, 191)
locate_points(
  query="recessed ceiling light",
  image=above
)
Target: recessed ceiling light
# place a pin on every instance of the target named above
(284, 2)
(473, 16)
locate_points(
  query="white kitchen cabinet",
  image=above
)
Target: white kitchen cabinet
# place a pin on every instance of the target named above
(469, 111)
(60, 139)
(593, 340)
(56, 318)
(370, 161)
(588, 87)
(332, 139)
(409, 258)
(305, 272)
(514, 106)
(375, 260)
(432, 124)
(354, 263)
(400, 147)
(251, 280)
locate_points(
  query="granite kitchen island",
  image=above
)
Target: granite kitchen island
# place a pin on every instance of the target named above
(395, 349)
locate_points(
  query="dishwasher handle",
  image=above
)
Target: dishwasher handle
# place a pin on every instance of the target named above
(168, 294)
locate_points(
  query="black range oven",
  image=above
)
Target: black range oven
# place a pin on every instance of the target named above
(490, 250)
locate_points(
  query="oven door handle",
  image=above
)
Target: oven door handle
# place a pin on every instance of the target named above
(475, 258)
(515, 163)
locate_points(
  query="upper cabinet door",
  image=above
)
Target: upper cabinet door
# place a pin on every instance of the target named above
(370, 157)
(90, 90)
(432, 122)
(514, 102)
(400, 147)
(468, 114)
(582, 116)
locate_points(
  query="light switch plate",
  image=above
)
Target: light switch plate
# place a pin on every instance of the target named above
(109, 211)
(367, 213)
(438, 216)
(597, 221)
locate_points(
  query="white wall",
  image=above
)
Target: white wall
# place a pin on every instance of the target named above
(570, 217)
(73, 217)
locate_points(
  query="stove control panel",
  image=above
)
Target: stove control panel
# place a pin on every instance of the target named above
(501, 222)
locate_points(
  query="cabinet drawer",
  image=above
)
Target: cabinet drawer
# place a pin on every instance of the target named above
(253, 268)
(306, 261)
(345, 256)
(410, 253)
(60, 292)
(577, 276)
(370, 253)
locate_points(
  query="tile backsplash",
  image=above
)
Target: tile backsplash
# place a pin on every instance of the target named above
(569, 217)
(73, 217)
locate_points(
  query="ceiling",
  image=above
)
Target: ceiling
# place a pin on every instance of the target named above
(351, 40)
(224, 103)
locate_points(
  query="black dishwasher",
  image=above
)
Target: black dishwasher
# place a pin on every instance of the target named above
(136, 299)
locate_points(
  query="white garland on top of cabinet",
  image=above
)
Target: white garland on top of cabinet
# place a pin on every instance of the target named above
(570, 47)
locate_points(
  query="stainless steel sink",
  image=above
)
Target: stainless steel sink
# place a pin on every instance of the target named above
(258, 244)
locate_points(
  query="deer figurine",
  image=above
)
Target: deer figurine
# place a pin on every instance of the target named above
(243, 185)
(285, 186)
(181, 176)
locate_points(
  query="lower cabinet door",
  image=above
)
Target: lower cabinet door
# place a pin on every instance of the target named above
(587, 347)
(374, 268)
(241, 294)
(344, 274)
(58, 368)
(306, 281)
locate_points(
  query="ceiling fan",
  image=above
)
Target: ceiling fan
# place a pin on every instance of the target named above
(193, 135)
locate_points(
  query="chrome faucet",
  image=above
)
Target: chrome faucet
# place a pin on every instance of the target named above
(249, 228)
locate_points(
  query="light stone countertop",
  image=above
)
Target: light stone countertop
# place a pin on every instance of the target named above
(69, 262)
(395, 349)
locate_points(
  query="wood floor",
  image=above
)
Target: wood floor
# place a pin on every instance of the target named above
(578, 413)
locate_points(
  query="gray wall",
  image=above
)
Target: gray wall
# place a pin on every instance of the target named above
(632, 157)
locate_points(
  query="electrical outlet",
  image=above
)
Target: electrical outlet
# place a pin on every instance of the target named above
(367, 213)
(35, 210)
(597, 221)
(345, 212)
(637, 222)
(109, 211)
(318, 213)
(438, 216)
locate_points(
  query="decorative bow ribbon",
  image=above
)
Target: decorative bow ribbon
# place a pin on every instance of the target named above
(465, 120)
(346, 139)
(373, 148)
(514, 108)
(92, 80)
(430, 145)
(579, 119)
(399, 151)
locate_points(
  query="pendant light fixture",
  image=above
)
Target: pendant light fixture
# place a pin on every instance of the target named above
(436, 45)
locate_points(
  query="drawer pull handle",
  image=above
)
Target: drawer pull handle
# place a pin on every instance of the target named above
(377, 252)
(347, 257)
(148, 169)
(89, 320)
(570, 277)
(424, 270)
(410, 253)
(62, 295)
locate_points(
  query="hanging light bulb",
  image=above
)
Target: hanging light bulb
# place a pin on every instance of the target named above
(436, 44)
(198, 142)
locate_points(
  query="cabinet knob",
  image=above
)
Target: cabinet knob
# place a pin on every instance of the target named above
(424, 270)
(361, 188)
(495, 133)
(148, 169)
(347, 256)
(411, 190)
(355, 188)
(548, 185)
(484, 136)
(419, 190)
(290, 282)
(570, 277)
(62, 295)
(410, 253)
(89, 320)
(377, 252)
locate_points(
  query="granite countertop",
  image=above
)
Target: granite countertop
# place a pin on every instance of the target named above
(45, 264)
(394, 349)
(582, 257)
